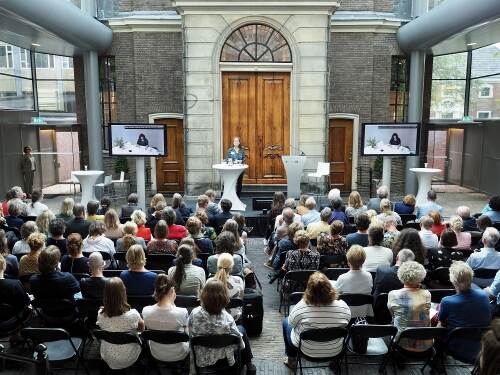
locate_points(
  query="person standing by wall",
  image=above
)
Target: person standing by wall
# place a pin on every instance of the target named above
(28, 168)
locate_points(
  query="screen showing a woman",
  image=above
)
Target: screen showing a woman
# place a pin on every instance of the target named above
(142, 141)
(237, 153)
(395, 140)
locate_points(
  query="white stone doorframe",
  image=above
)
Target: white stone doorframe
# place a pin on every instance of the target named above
(152, 161)
(355, 142)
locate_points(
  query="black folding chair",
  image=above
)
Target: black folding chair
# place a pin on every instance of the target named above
(293, 299)
(12, 320)
(332, 261)
(117, 338)
(381, 312)
(160, 261)
(471, 334)
(354, 299)
(475, 238)
(322, 335)
(57, 313)
(405, 218)
(422, 357)
(204, 260)
(377, 347)
(139, 302)
(188, 302)
(88, 309)
(166, 338)
(412, 225)
(438, 294)
(120, 261)
(292, 281)
(439, 278)
(485, 273)
(334, 273)
(60, 346)
(218, 341)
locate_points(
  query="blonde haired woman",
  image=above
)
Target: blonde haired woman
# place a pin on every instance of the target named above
(114, 229)
(354, 205)
(157, 198)
(235, 284)
(464, 240)
(130, 234)
(386, 210)
(43, 220)
(301, 205)
(66, 211)
(137, 279)
(139, 218)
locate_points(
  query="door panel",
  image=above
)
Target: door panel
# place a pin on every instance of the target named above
(256, 107)
(455, 155)
(170, 169)
(340, 153)
(48, 161)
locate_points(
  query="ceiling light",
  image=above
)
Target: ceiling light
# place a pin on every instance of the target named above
(35, 44)
(471, 44)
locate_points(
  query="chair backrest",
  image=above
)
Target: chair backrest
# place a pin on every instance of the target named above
(334, 273)
(441, 274)
(165, 337)
(373, 330)
(467, 333)
(79, 276)
(357, 299)
(120, 256)
(299, 276)
(380, 310)
(39, 335)
(323, 168)
(234, 303)
(412, 225)
(295, 297)
(117, 338)
(438, 294)
(160, 261)
(108, 179)
(186, 302)
(407, 217)
(424, 333)
(485, 273)
(323, 334)
(475, 238)
(326, 260)
(88, 309)
(112, 273)
(105, 254)
(139, 302)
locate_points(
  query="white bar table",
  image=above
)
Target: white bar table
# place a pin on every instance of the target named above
(229, 175)
(87, 181)
(424, 178)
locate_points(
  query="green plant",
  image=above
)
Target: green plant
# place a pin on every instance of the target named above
(119, 142)
(372, 142)
(121, 164)
(377, 167)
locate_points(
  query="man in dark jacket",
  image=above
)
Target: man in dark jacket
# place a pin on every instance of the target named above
(131, 206)
(78, 224)
(387, 277)
(220, 219)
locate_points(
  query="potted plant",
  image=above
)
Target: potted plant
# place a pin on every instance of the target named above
(121, 165)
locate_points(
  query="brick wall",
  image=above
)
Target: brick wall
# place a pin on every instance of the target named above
(369, 5)
(138, 5)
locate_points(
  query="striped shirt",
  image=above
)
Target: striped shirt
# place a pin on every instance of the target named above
(304, 317)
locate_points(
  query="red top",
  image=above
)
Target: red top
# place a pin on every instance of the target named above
(144, 232)
(176, 232)
(438, 228)
(5, 208)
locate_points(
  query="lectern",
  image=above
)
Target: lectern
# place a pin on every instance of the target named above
(294, 167)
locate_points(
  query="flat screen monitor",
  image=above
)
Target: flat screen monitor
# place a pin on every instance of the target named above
(388, 139)
(131, 139)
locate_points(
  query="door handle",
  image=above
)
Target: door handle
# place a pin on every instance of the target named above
(350, 156)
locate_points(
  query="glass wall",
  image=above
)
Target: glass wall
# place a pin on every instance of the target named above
(107, 86)
(398, 97)
(16, 84)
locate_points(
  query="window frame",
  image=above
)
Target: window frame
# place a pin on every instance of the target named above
(488, 112)
(486, 85)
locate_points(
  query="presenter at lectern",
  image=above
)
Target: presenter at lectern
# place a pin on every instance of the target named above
(237, 153)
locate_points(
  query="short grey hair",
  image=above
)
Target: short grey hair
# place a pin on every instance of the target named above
(325, 214)
(28, 228)
(288, 215)
(15, 207)
(461, 275)
(426, 222)
(290, 202)
(333, 194)
(18, 191)
(382, 192)
(95, 261)
(463, 212)
(490, 237)
(390, 219)
(456, 223)
(310, 203)
(405, 255)
(411, 272)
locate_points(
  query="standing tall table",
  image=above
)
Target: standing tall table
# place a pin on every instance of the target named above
(424, 178)
(229, 175)
(87, 181)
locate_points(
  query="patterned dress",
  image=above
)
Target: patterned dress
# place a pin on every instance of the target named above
(330, 245)
(300, 260)
(162, 247)
(443, 257)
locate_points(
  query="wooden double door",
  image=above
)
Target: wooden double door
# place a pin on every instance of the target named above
(256, 107)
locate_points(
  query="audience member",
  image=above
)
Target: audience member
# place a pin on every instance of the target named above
(29, 262)
(438, 226)
(286, 243)
(407, 206)
(165, 316)
(312, 215)
(386, 211)
(43, 221)
(11, 264)
(202, 202)
(429, 239)
(391, 231)
(212, 208)
(57, 227)
(446, 253)
(301, 205)
(356, 281)
(139, 218)
(376, 254)
(468, 308)
(354, 205)
(464, 239)
(410, 306)
(181, 210)
(426, 208)
(232, 226)
(373, 217)
(117, 316)
(66, 211)
(494, 213)
(483, 222)
(157, 198)
(137, 279)
(11, 292)
(36, 207)
(241, 221)
(131, 206)
(114, 229)
(206, 230)
(277, 206)
(97, 241)
(225, 243)
(287, 216)
(469, 222)
(409, 238)
(374, 203)
(105, 204)
(129, 238)
(321, 226)
(5, 203)
(489, 360)
(189, 279)
(92, 208)
(488, 257)
(386, 278)
(337, 213)
(333, 243)
(156, 215)
(21, 246)
(74, 261)
(319, 308)
(175, 231)
(203, 244)
(360, 237)
(15, 210)
(160, 244)
(220, 218)
(78, 224)
(93, 286)
(334, 194)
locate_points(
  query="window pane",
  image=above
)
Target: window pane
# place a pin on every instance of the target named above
(53, 67)
(447, 99)
(14, 60)
(16, 93)
(486, 61)
(485, 97)
(450, 66)
(56, 96)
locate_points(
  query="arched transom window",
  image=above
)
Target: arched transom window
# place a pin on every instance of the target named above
(256, 43)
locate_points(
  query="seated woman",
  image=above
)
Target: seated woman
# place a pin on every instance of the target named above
(117, 316)
(155, 217)
(391, 231)
(203, 244)
(376, 254)
(105, 203)
(114, 229)
(354, 205)
(446, 253)
(319, 308)
(232, 226)
(409, 238)
(407, 206)
(15, 210)
(21, 246)
(356, 281)
(43, 221)
(97, 241)
(241, 221)
(130, 229)
(181, 210)
(468, 308)
(189, 279)
(139, 218)
(66, 211)
(464, 239)
(206, 230)
(175, 231)
(29, 262)
(74, 261)
(11, 292)
(410, 306)
(333, 243)
(211, 318)
(57, 227)
(235, 284)
(438, 227)
(93, 286)
(137, 279)
(11, 263)
(165, 316)
(386, 211)
(52, 283)
(160, 244)
(286, 243)
(489, 361)
(157, 198)
(225, 243)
